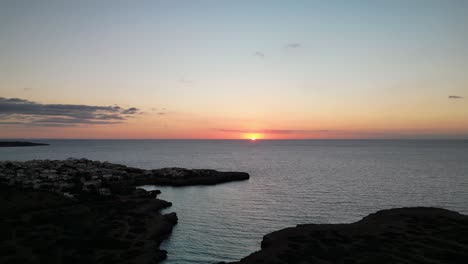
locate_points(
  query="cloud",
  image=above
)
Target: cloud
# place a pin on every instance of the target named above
(130, 111)
(259, 54)
(110, 117)
(71, 121)
(16, 111)
(288, 131)
(455, 97)
(293, 45)
(159, 111)
(185, 81)
(311, 133)
(27, 89)
(274, 131)
(10, 123)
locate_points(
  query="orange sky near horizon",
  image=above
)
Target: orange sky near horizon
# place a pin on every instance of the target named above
(140, 128)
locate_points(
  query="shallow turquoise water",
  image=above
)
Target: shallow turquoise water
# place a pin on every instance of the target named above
(292, 182)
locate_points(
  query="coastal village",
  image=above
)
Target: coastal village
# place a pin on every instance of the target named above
(67, 177)
(72, 177)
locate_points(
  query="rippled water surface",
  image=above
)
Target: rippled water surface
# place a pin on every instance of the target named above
(292, 182)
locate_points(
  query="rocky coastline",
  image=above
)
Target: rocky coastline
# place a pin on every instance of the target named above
(20, 144)
(401, 235)
(78, 178)
(84, 211)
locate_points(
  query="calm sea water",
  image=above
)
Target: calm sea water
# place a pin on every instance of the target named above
(292, 182)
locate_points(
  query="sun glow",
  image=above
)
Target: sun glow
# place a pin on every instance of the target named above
(253, 136)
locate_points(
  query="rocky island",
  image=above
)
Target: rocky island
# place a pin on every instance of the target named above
(84, 211)
(402, 235)
(20, 144)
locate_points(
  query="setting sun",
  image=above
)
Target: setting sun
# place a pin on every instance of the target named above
(253, 136)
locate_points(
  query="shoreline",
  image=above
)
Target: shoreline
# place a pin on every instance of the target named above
(84, 211)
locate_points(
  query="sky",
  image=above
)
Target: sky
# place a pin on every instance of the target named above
(233, 69)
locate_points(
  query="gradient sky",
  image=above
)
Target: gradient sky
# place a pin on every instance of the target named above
(233, 69)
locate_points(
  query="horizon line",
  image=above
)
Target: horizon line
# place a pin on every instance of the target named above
(236, 139)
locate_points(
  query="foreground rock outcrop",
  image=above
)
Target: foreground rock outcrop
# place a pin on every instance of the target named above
(44, 227)
(404, 235)
(84, 211)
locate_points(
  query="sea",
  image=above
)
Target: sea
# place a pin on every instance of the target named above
(292, 182)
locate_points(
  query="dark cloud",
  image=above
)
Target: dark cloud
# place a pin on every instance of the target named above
(130, 111)
(110, 117)
(16, 111)
(455, 97)
(74, 121)
(259, 54)
(293, 45)
(14, 100)
(10, 123)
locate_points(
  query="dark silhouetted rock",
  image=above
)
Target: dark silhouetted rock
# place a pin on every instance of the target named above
(20, 144)
(46, 227)
(186, 177)
(403, 235)
(171, 218)
(85, 211)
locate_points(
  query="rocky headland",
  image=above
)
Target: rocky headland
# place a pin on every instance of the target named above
(82, 177)
(20, 144)
(185, 177)
(84, 211)
(402, 235)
